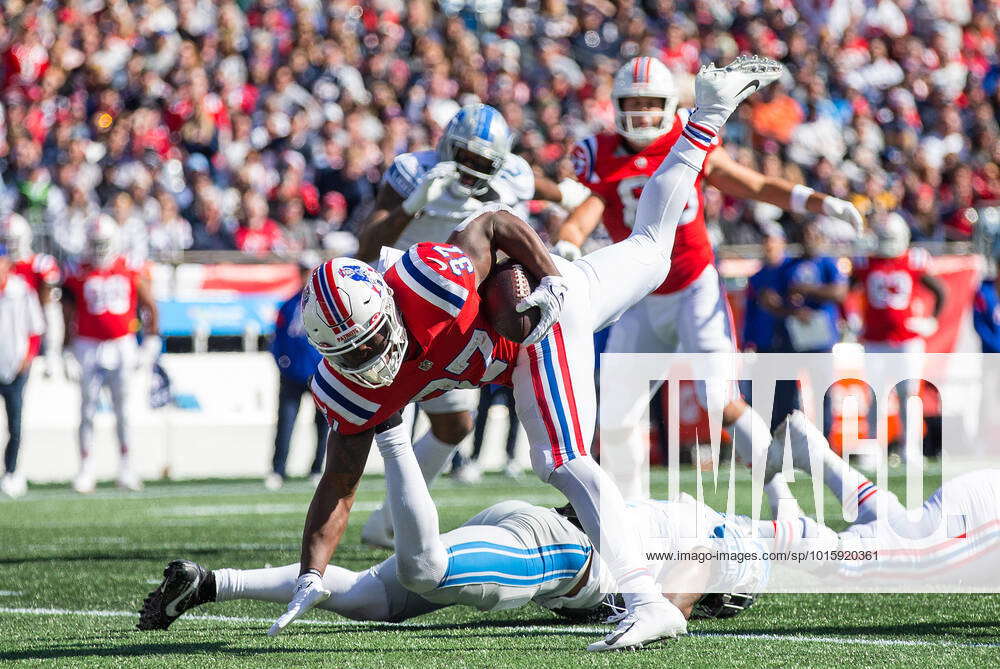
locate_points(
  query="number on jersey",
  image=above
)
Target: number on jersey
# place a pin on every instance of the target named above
(107, 294)
(629, 191)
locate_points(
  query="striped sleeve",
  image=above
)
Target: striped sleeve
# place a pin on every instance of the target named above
(584, 157)
(434, 286)
(437, 273)
(346, 410)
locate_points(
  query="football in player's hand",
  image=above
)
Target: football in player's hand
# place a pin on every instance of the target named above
(507, 285)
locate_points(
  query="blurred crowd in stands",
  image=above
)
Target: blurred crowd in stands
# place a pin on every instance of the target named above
(265, 125)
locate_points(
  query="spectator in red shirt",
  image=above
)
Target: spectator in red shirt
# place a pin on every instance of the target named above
(258, 234)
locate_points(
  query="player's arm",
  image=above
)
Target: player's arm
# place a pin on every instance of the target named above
(394, 211)
(331, 504)
(147, 306)
(327, 517)
(482, 237)
(740, 181)
(938, 290)
(822, 292)
(69, 307)
(579, 225)
(384, 225)
(568, 193)
(546, 189)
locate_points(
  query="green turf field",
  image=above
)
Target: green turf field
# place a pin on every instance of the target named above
(74, 569)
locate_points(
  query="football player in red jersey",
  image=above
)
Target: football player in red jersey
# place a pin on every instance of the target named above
(419, 331)
(39, 270)
(102, 297)
(688, 312)
(889, 280)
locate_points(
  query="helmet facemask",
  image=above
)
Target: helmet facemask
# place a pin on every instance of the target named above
(629, 125)
(476, 161)
(15, 235)
(372, 358)
(478, 141)
(100, 251)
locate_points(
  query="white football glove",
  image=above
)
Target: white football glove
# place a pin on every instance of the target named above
(844, 211)
(431, 186)
(71, 366)
(567, 250)
(548, 297)
(309, 591)
(924, 327)
(149, 352)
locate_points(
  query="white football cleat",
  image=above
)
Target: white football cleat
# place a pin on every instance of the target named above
(468, 473)
(85, 483)
(377, 532)
(718, 91)
(273, 481)
(643, 626)
(129, 480)
(13, 485)
(803, 437)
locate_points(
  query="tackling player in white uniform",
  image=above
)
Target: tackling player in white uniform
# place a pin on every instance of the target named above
(688, 312)
(502, 558)
(423, 196)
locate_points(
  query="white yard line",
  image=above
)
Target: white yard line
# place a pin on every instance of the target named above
(568, 629)
(14, 593)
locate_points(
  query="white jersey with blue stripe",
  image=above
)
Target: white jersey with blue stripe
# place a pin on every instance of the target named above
(513, 186)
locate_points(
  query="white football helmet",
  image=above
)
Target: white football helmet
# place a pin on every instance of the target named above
(102, 241)
(478, 140)
(15, 234)
(351, 319)
(643, 77)
(893, 235)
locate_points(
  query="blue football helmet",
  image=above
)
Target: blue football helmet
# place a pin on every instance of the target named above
(478, 140)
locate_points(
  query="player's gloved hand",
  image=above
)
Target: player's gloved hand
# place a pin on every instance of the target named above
(567, 250)
(150, 351)
(71, 366)
(924, 327)
(309, 591)
(844, 211)
(430, 187)
(548, 297)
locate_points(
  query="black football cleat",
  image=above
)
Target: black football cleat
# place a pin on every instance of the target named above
(182, 588)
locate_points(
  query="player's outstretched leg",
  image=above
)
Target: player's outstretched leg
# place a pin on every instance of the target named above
(850, 486)
(369, 595)
(622, 274)
(422, 558)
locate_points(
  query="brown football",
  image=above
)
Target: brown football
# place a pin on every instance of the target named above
(507, 285)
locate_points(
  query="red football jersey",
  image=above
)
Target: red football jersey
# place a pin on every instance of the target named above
(451, 342)
(106, 298)
(604, 165)
(889, 287)
(37, 270)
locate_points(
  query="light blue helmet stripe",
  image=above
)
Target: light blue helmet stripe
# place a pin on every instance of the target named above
(485, 122)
